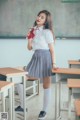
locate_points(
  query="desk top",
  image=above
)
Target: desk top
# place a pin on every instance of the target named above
(4, 84)
(11, 71)
(67, 71)
(74, 62)
(73, 83)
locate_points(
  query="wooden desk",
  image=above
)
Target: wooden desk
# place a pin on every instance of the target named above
(12, 72)
(62, 74)
(9, 87)
(74, 63)
(72, 83)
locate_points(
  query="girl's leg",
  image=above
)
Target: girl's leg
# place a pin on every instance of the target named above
(20, 92)
(47, 93)
(46, 98)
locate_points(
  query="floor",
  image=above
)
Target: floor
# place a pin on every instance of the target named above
(34, 105)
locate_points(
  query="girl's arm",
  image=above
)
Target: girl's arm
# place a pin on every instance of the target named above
(30, 37)
(29, 46)
(51, 47)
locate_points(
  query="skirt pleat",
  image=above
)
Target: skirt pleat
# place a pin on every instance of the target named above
(40, 65)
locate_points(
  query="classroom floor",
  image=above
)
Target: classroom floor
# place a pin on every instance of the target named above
(34, 105)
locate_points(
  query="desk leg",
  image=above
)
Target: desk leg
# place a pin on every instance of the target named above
(13, 103)
(3, 102)
(11, 99)
(59, 97)
(56, 98)
(58, 78)
(10, 104)
(24, 96)
(56, 101)
(38, 88)
(69, 110)
(69, 65)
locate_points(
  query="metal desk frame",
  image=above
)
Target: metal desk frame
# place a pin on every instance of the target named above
(74, 63)
(9, 87)
(10, 73)
(60, 74)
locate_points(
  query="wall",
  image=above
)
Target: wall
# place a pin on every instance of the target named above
(14, 53)
(16, 16)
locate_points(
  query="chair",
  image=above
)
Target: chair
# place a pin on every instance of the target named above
(32, 86)
(77, 109)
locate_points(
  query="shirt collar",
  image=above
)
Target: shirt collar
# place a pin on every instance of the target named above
(40, 28)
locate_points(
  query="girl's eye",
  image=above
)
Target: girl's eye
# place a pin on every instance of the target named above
(42, 17)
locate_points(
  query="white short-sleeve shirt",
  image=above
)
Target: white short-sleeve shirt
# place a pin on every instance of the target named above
(42, 38)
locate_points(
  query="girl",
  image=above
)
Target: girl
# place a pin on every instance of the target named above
(40, 39)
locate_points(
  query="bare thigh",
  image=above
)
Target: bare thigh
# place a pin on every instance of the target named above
(46, 82)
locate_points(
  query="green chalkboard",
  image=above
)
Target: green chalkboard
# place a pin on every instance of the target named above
(17, 16)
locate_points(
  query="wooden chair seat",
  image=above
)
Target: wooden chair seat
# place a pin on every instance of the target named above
(77, 107)
(30, 78)
(33, 81)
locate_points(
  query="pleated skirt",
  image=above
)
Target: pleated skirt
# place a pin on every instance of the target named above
(40, 65)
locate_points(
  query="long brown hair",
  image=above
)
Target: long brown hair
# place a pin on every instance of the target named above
(48, 22)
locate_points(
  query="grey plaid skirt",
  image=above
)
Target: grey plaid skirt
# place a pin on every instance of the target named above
(40, 65)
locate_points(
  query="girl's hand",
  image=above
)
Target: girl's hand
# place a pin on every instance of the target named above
(54, 66)
(30, 39)
(31, 34)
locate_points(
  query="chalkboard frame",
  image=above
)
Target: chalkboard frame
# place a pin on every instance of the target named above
(59, 31)
(24, 37)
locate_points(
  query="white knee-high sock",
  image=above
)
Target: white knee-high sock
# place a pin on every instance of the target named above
(46, 99)
(20, 92)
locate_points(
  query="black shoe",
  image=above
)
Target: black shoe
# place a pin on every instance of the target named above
(20, 109)
(42, 115)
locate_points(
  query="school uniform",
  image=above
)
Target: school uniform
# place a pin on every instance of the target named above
(41, 63)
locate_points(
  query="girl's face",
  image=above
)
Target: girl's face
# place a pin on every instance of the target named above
(40, 20)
